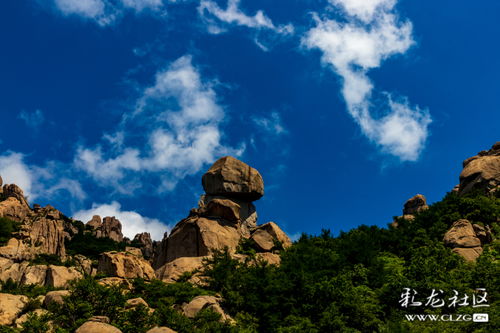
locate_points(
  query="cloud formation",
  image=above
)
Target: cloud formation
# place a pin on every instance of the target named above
(208, 9)
(32, 119)
(272, 125)
(371, 33)
(132, 222)
(105, 12)
(174, 131)
(47, 181)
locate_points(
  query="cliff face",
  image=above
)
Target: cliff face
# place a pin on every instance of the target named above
(40, 247)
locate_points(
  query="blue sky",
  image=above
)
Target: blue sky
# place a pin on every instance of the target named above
(346, 107)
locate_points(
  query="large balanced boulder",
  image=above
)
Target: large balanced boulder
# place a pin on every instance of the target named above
(10, 307)
(481, 172)
(232, 178)
(125, 265)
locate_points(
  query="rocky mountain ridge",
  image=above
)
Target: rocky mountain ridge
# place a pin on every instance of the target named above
(39, 251)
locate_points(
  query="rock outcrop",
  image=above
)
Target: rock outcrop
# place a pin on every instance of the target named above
(10, 307)
(464, 239)
(199, 303)
(61, 276)
(224, 217)
(481, 172)
(232, 178)
(97, 327)
(145, 243)
(414, 205)
(109, 227)
(125, 265)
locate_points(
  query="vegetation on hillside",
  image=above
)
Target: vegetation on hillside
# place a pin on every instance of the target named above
(7, 228)
(349, 283)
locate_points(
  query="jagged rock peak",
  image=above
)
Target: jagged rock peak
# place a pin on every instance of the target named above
(481, 172)
(231, 177)
(109, 227)
(415, 205)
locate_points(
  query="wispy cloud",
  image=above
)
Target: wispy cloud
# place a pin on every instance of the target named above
(132, 222)
(33, 119)
(209, 9)
(272, 124)
(371, 33)
(105, 12)
(174, 131)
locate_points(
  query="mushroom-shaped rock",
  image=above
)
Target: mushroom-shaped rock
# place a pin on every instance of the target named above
(231, 177)
(268, 236)
(481, 172)
(222, 208)
(97, 327)
(415, 205)
(125, 265)
(10, 307)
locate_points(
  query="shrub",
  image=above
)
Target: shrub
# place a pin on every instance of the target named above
(7, 228)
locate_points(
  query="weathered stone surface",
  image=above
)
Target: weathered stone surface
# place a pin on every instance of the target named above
(125, 265)
(100, 319)
(15, 249)
(22, 319)
(483, 233)
(270, 258)
(470, 253)
(14, 191)
(10, 307)
(268, 235)
(199, 303)
(170, 272)
(134, 251)
(199, 236)
(97, 327)
(60, 276)
(83, 264)
(161, 330)
(110, 227)
(13, 209)
(461, 234)
(34, 275)
(222, 208)
(233, 178)
(415, 205)
(46, 232)
(115, 282)
(144, 239)
(56, 296)
(135, 302)
(481, 172)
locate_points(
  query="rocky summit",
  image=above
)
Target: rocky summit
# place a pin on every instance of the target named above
(219, 268)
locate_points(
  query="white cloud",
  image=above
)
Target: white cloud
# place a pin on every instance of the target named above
(353, 48)
(47, 181)
(32, 119)
(178, 119)
(14, 171)
(105, 12)
(233, 15)
(132, 222)
(272, 124)
(364, 9)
